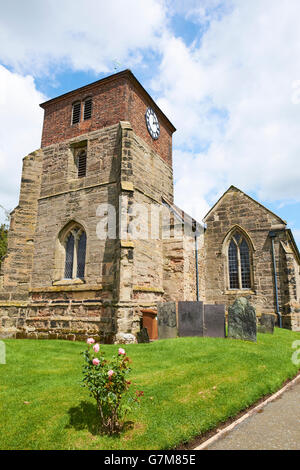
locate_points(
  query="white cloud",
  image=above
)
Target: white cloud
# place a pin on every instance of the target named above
(236, 91)
(233, 97)
(20, 131)
(202, 11)
(37, 37)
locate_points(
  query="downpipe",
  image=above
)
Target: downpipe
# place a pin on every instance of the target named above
(272, 235)
(197, 267)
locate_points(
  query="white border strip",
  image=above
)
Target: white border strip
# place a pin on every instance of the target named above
(221, 432)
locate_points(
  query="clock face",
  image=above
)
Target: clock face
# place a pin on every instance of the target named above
(152, 123)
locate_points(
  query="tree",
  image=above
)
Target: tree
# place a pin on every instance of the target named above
(3, 234)
(3, 241)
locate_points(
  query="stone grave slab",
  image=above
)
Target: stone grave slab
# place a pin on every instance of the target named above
(214, 321)
(242, 320)
(166, 320)
(190, 318)
(142, 336)
(266, 323)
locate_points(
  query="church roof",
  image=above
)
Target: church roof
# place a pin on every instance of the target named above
(182, 216)
(234, 188)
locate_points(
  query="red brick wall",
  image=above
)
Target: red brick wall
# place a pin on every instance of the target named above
(114, 101)
(136, 115)
(109, 107)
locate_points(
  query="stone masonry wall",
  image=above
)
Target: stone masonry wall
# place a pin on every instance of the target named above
(290, 284)
(236, 209)
(54, 307)
(16, 269)
(64, 199)
(122, 277)
(144, 179)
(179, 265)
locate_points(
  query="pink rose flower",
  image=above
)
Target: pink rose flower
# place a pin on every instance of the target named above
(122, 351)
(96, 361)
(96, 347)
(90, 341)
(110, 373)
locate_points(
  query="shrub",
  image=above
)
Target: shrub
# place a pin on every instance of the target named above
(107, 383)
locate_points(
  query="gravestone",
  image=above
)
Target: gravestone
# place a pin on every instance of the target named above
(214, 321)
(142, 336)
(266, 323)
(242, 320)
(166, 320)
(190, 318)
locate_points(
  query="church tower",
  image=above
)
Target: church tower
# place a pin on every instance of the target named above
(106, 154)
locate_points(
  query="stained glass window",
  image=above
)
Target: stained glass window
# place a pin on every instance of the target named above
(81, 255)
(233, 266)
(69, 257)
(75, 249)
(245, 265)
(239, 263)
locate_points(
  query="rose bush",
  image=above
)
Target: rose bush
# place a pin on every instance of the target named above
(107, 383)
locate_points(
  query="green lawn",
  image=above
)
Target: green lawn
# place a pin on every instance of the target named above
(190, 385)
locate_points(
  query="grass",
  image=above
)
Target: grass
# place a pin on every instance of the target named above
(190, 386)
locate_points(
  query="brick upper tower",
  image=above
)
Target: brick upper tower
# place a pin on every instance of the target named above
(119, 97)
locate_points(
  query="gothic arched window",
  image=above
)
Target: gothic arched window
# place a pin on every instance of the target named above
(239, 262)
(75, 250)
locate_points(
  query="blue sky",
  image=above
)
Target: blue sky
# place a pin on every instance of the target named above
(226, 73)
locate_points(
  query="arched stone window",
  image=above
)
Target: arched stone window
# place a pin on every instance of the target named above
(71, 253)
(239, 261)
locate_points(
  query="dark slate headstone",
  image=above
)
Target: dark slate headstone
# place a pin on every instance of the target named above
(266, 323)
(190, 318)
(242, 320)
(214, 321)
(142, 336)
(166, 320)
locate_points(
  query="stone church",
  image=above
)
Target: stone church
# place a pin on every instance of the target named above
(97, 241)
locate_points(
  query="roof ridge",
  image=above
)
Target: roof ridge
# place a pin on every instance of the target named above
(249, 197)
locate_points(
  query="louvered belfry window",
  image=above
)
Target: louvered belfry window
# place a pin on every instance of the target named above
(76, 112)
(239, 263)
(75, 249)
(81, 163)
(87, 114)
